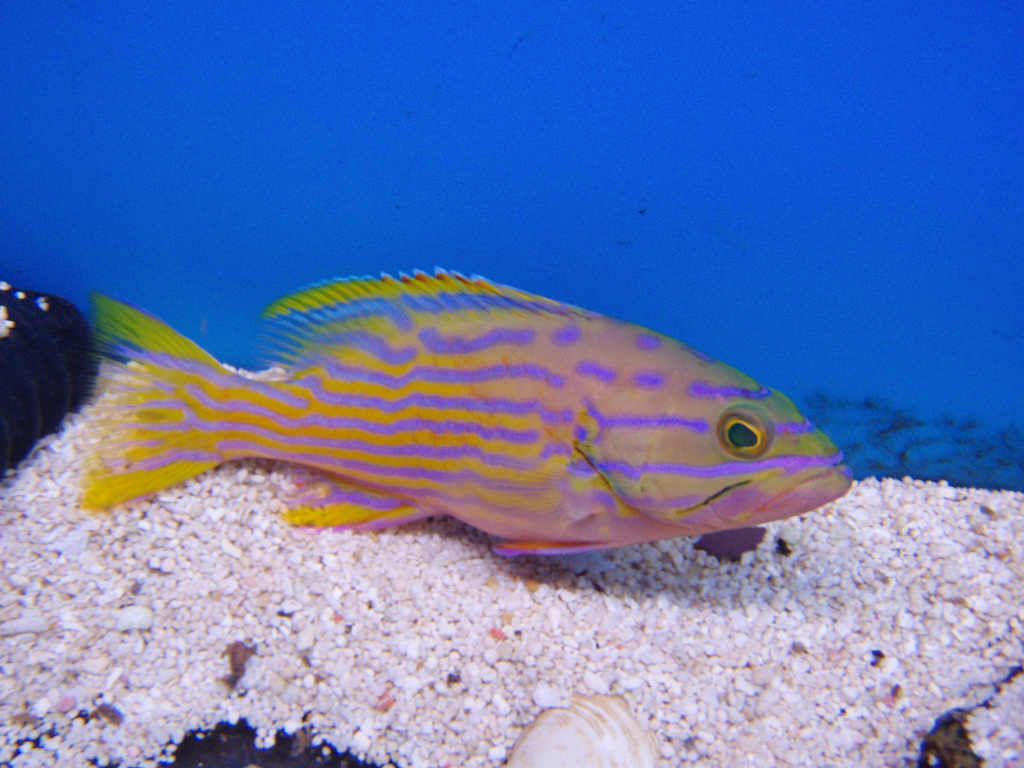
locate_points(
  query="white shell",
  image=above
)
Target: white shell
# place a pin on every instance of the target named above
(593, 732)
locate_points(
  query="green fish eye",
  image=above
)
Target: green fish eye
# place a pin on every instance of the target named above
(743, 434)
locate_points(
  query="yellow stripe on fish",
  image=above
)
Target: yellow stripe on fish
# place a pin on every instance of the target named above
(551, 427)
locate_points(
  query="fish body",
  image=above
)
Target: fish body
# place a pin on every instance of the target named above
(554, 428)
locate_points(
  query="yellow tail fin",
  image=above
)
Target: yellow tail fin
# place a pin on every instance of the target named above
(146, 432)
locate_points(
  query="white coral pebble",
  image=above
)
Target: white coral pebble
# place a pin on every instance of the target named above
(133, 617)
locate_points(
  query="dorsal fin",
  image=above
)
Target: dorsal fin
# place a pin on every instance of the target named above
(331, 312)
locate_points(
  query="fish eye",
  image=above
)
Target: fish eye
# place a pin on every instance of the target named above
(743, 434)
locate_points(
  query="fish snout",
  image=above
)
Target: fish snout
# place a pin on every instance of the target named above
(820, 488)
(783, 497)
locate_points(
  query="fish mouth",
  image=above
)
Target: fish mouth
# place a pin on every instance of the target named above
(816, 490)
(748, 502)
(716, 495)
(782, 496)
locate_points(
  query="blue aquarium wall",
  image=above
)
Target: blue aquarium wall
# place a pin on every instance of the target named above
(830, 198)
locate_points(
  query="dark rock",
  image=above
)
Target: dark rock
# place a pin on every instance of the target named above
(47, 367)
(228, 746)
(947, 744)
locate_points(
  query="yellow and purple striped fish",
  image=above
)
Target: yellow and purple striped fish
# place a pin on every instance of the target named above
(556, 429)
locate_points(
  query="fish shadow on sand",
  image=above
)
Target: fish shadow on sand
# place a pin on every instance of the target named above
(673, 568)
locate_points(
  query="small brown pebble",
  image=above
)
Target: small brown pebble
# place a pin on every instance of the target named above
(108, 712)
(454, 678)
(876, 657)
(238, 654)
(385, 702)
(798, 647)
(24, 718)
(532, 584)
(890, 698)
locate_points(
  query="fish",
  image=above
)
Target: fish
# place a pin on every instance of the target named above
(551, 428)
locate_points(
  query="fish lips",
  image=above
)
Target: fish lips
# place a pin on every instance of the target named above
(758, 505)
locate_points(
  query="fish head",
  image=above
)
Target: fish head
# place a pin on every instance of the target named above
(734, 457)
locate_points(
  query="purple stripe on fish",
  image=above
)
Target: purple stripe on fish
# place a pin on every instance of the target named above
(170, 457)
(604, 498)
(228, 380)
(370, 343)
(460, 505)
(454, 345)
(788, 463)
(376, 449)
(599, 372)
(445, 375)
(224, 405)
(339, 496)
(555, 449)
(445, 301)
(340, 465)
(439, 426)
(342, 311)
(580, 469)
(653, 422)
(795, 428)
(566, 335)
(438, 402)
(439, 502)
(647, 341)
(646, 422)
(375, 345)
(648, 379)
(668, 504)
(703, 389)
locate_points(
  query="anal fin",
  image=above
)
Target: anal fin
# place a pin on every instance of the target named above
(337, 505)
(513, 548)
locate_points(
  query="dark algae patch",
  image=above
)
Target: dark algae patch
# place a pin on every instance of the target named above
(882, 440)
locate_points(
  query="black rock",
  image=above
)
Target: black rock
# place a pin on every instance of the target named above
(47, 367)
(233, 746)
(947, 744)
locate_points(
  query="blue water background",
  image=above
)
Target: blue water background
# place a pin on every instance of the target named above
(829, 196)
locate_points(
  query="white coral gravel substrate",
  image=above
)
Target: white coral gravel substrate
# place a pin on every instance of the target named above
(419, 646)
